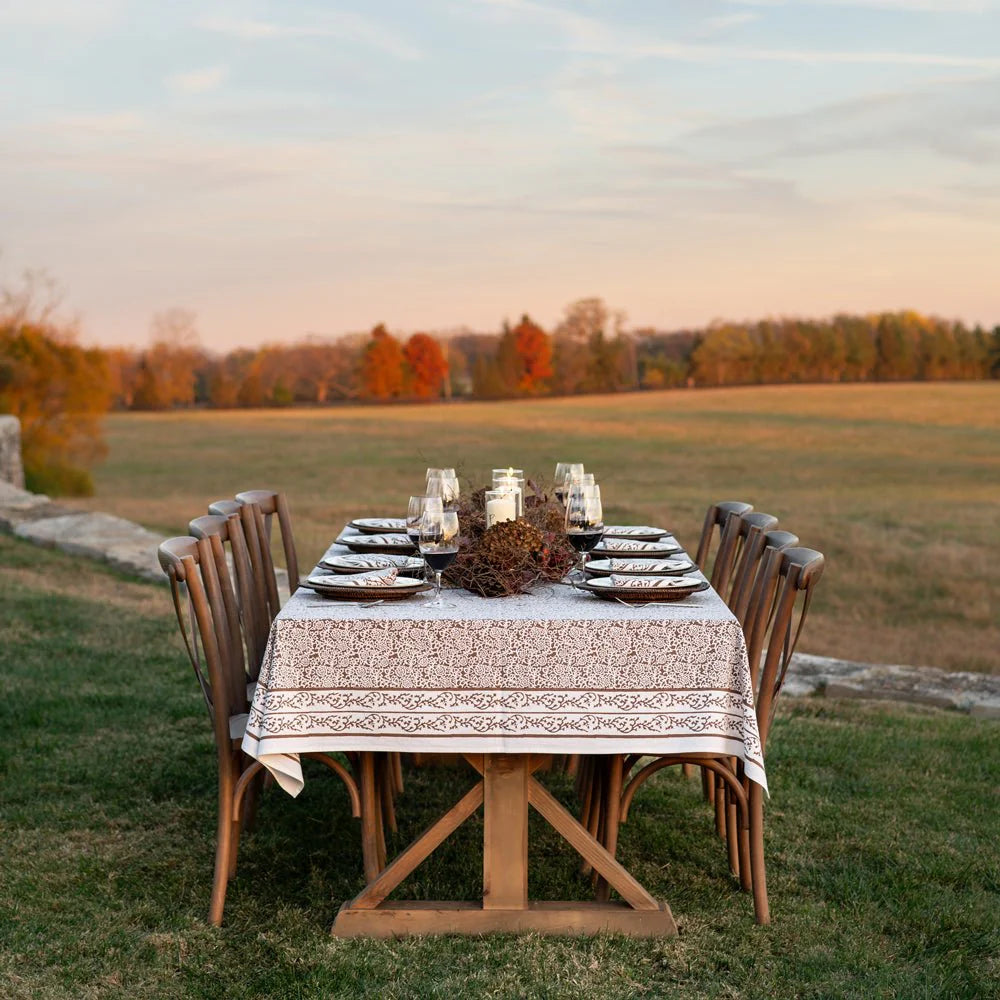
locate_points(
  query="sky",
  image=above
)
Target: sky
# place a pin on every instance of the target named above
(295, 168)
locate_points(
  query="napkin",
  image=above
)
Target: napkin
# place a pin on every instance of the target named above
(397, 540)
(617, 545)
(379, 578)
(385, 523)
(377, 561)
(649, 565)
(624, 530)
(651, 582)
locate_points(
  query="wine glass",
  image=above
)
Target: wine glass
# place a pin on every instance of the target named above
(584, 520)
(414, 512)
(566, 472)
(438, 544)
(443, 483)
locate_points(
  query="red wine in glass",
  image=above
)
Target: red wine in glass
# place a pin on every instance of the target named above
(440, 561)
(585, 540)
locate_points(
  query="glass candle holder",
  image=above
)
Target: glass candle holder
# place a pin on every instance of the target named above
(501, 505)
(512, 485)
(510, 473)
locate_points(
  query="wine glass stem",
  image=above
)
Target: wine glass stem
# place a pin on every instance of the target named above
(437, 584)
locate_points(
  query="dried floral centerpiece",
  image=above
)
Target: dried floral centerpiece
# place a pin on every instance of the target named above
(511, 556)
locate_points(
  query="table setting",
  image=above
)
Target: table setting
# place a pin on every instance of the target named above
(475, 625)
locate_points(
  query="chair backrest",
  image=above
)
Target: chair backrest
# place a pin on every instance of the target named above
(264, 505)
(755, 550)
(228, 542)
(191, 568)
(783, 593)
(737, 531)
(224, 507)
(715, 519)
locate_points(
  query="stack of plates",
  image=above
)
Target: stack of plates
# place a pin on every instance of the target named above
(637, 532)
(339, 589)
(636, 549)
(379, 525)
(359, 563)
(647, 589)
(641, 567)
(386, 542)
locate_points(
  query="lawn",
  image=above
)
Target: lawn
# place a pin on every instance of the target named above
(884, 867)
(897, 484)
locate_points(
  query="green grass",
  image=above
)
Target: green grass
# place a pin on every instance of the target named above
(882, 845)
(897, 484)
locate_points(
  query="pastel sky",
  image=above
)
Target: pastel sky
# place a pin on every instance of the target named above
(317, 167)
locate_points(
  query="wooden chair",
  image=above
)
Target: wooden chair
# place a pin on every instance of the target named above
(715, 520)
(265, 505)
(737, 532)
(783, 591)
(216, 652)
(758, 543)
(228, 543)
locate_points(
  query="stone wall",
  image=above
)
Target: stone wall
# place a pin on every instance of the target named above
(11, 468)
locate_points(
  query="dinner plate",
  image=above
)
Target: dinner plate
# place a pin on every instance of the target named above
(633, 548)
(334, 587)
(360, 563)
(679, 588)
(386, 542)
(379, 525)
(642, 566)
(637, 532)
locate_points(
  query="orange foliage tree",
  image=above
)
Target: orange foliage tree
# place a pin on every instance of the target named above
(534, 352)
(382, 366)
(427, 365)
(59, 391)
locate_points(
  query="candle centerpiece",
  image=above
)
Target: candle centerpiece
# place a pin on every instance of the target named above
(501, 505)
(501, 553)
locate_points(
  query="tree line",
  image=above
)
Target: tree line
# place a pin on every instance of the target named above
(589, 351)
(60, 389)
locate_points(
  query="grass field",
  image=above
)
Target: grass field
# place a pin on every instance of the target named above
(898, 484)
(884, 881)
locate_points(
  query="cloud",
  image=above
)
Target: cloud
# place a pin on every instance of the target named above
(197, 81)
(722, 22)
(586, 35)
(346, 26)
(957, 122)
(908, 6)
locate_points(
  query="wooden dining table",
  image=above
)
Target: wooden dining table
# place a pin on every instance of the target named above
(506, 684)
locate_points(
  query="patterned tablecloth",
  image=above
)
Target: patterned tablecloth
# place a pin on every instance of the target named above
(556, 671)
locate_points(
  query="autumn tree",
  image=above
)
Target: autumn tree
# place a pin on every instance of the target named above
(322, 369)
(382, 365)
(167, 370)
(57, 389)
(426, 366)
(534, 352)
(123, 373)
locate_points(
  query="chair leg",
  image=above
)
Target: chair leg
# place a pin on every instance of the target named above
(720, 805)
(761, 909)
(707, 784)
(746, 875)
(224, 854)
(732, 833)
(396, 760)
(251, 799)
